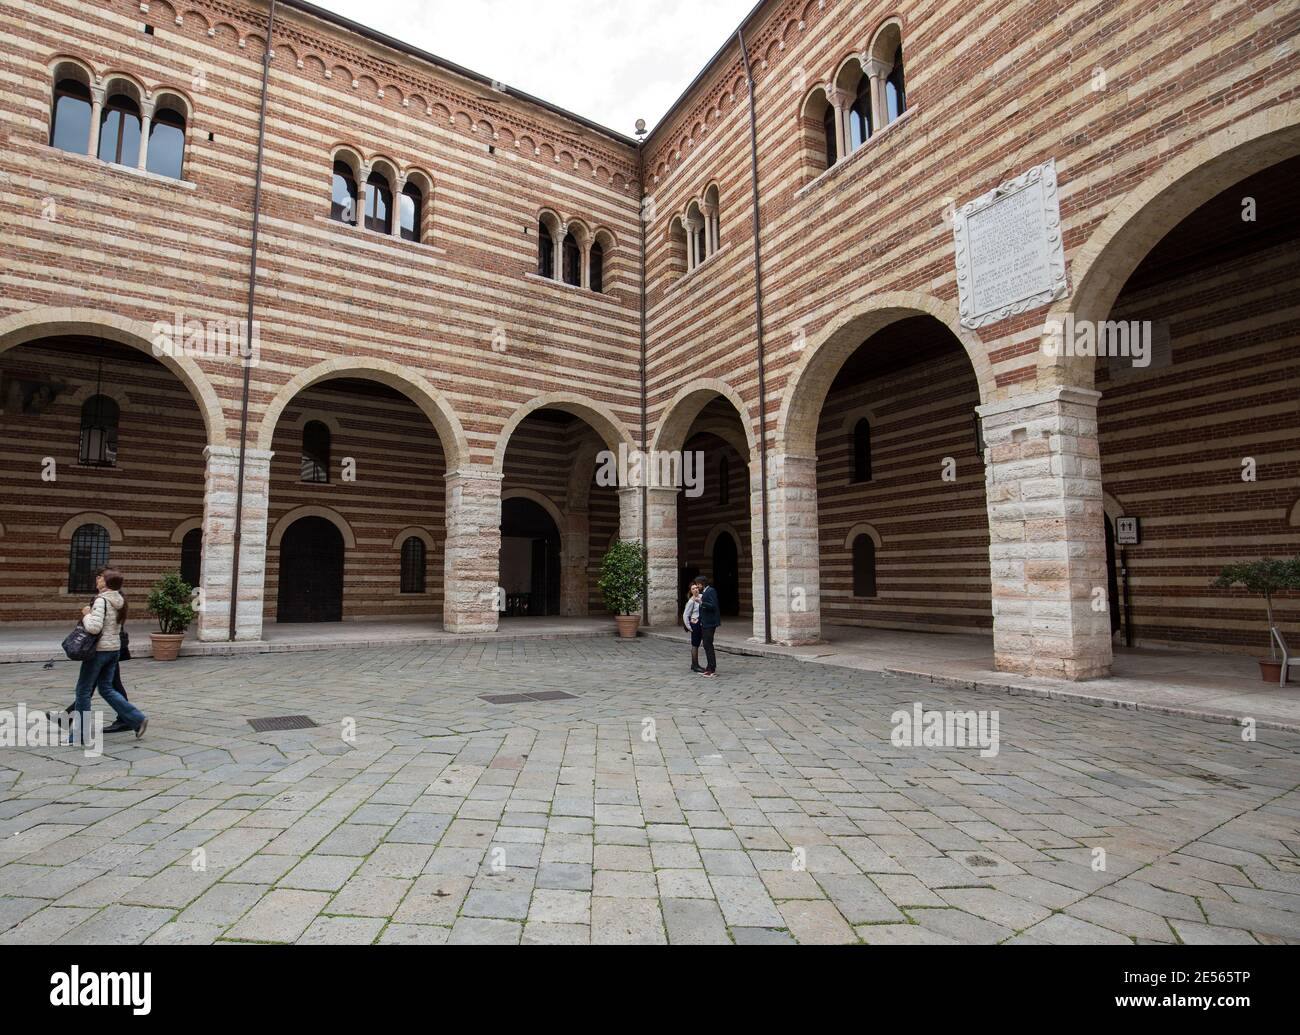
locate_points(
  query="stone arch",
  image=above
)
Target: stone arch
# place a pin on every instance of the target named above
(863, 528)
(677, 418)
(886, 39)
(312, 510)
(542, 500)
(430, 401)
(89, 391)
(597, 415)
(91, 517)
(185, 528)
(719, 529)
(1101, 267)
(810, 381)
(1293, 520)
(421, 534)
(34, 324)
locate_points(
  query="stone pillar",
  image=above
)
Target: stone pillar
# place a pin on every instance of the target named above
(96, 114)
(792, 529)
(363, 196)
(146, 118)
(877, 71)
(473, 551)
(710, 225)
(221, 480)
(557, 252)
(841, 102)
(1047, 535)
(693, 257)
(396, 215)
(575, 555)
(584, 265)
(661, 554)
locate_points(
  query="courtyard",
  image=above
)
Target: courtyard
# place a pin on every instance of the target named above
(609, 796)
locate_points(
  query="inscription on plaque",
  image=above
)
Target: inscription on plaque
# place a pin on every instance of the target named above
(1008, 249)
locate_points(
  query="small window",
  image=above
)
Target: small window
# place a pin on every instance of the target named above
(724, 482)
(343, 200)
(316, 453)
(379, 205)
(119, 131)
(864, 566)
(828, 128)
(895, 93)
(88, 554)
(166, 143)
(545, 251)
(70, 117)
(862, 451)
(597, 267)
(413, 565)
(412, 212)
(860, 116)
(192, 557)
(572, 260)
(100, 417)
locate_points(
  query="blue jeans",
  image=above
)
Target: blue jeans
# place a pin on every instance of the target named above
(98, 673)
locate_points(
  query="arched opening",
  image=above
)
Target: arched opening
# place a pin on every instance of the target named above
(119, 130)
(166, 155)
(1198, 424)
(191, 566)
(71, 112)
(363, 450)
(530, 560)
(80, 416)
(343, 193)
(311, 572)
(412, 211)
(572, 256)
(545, 249)
(726, 573)
(379, 204)
(597, 265)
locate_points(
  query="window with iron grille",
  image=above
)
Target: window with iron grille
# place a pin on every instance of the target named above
(315, 452)
(89, 553)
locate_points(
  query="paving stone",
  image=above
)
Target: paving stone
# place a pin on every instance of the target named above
(282, 915)
(761, 936)
(694, 921)
(433, 899)
(223, 904)
(627, 921)
(342, 930)
(46, 925)
(414, 934)
(475, 931)
(370, 896)
(320, 873)
(553, 906)
(683, 884)
(1190, 933)
(816, 922)
(538, 933)
(961, 926)
(118, 925)
(745, 902)
(1069, 930)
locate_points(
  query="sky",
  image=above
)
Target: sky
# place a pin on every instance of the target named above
(612, 61)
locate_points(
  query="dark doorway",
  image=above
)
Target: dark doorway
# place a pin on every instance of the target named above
(311, 572)
(530, 559)
(726, 573)
(1112, 578)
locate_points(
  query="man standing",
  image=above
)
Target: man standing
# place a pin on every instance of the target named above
(710, 619)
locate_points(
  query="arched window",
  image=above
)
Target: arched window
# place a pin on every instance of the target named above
(166, 143)
(379, 204)
(343, 200)
(70, 116)
(100, 417)
(572, 260)
(89, 553)
(412, 212)
(860, 127)
(828, 128)
(119, 131)
(895, 93)
(597, 259)
(192, 557)
(413, 565)
(862, 451)
(724, 482)
(316, 452)
(864, 566)
(545, 251)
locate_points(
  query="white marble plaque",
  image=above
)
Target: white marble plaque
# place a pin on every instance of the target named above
(1010, 258)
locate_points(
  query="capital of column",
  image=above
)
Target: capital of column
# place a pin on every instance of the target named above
(840, 99)
(1057, 395)
(875, 68)
(230, 454)
(474, 474)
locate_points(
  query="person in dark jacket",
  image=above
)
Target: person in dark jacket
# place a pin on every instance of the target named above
(710, 619)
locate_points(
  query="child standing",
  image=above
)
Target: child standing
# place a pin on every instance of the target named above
(691, 619)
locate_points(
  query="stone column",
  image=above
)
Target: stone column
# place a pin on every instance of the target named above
(584, 265)
(661, 554)
(1047, 535)
(792, 529)
(363, 196)
(575, 554)
(146, 118)
(877, 71)
(219, 494)
(96, 114)
(557, 252)
(710, 223)
(396, 215)
(841, 102)
(473, 551)
(693, 257)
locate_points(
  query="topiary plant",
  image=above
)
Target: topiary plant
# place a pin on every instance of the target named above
(622, 577)
(169, 602)
(1266, 576)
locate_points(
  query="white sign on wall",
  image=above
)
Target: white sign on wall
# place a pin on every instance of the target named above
(1010, 257)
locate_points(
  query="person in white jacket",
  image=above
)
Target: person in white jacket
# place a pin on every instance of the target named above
(104, 617)
(691, 620)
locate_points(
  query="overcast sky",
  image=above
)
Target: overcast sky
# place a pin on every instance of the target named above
(613, 61)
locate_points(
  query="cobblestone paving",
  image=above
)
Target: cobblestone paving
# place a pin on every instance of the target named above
(452, 820)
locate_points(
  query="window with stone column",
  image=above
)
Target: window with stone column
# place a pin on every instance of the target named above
(164, 138)
(120, 124)
(71, 109)
(344, 192)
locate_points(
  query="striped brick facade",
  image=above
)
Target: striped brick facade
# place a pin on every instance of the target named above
(1148, 111)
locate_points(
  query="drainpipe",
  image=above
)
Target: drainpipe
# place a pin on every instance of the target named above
(248, 325)
(758, 331)
(645, 497)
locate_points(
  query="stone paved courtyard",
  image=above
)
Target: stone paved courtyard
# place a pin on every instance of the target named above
(451, 819)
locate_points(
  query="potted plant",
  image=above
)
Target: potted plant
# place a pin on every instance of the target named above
(622, 583)
(1265, 577)
(169, 602)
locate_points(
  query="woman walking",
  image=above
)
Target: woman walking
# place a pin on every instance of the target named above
(105, 617)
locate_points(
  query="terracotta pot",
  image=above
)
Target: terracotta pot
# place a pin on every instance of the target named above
(166, 646)
(628, 625)
(1270, 671)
